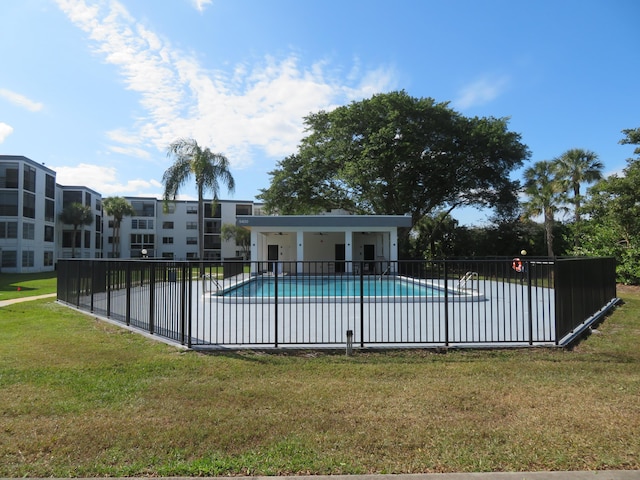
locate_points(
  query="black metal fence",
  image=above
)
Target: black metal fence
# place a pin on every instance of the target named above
(447, 303)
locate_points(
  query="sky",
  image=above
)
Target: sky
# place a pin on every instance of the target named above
(97, 89)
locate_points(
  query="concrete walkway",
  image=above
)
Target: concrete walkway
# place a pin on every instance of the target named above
(4, 303)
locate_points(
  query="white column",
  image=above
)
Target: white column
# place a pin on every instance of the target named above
(348, 250)
(393, 249)
(299, 252)
(255, 252)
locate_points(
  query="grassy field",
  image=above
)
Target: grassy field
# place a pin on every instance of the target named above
(83, 398)
(18, 285)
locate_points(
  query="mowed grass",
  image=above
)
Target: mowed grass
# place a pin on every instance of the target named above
(19, 285)
(80, 397)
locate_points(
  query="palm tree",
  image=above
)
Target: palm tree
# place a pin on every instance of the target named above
(577, 166)
(545, 196)
(118, 208)
(206, 167)
(76, 214)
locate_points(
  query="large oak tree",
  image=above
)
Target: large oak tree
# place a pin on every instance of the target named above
(395, 154)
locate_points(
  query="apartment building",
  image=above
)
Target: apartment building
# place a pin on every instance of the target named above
(33, 236)
(27, 215)
(171, 231)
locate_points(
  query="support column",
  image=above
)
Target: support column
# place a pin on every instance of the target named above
(255, 252)
(348, 251)
(299, 252)
(393, 250)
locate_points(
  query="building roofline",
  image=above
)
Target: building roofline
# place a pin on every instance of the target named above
(324, 221)
(22, 158)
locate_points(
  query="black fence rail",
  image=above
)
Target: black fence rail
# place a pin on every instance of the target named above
(446, 303)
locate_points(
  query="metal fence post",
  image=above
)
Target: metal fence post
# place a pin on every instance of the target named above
(529, 305)
(275, 301)
(128, 295)
(446, 304)
(93, 283)
(152, 299)
(362, 304)
(108, 288)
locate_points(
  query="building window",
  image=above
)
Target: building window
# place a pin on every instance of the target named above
(144, 208)
(49, 211)
(214, 256)
(192, 240)
(192, 255)
(9, 259)
(243, 209)
(48, 259)
(29, 181)
(192, 225)
(167, 255)
(192, 209)
(71, 196)
(167, 225)
(27, 258)
(98, 223)
(87, 239)
(8, 204)
(167, 240)
(212, 226)
(8, 229)
(141, 224)
(87, 199)
(140, 241)
(50, 187)
(29, 205)
(212, 242)
(209, 214)
(28, 231)
(9, 175)
(70, 239)
(48, 233)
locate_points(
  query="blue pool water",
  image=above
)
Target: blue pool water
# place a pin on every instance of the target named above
(372, 286)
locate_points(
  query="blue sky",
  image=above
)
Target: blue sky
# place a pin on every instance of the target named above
(96, 90)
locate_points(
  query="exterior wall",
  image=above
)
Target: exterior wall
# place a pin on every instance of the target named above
(27, 215)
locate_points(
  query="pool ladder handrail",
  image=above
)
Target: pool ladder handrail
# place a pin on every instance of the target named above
(212, 280)
(466, 277)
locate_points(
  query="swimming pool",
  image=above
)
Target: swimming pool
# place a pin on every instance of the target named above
(340, 287)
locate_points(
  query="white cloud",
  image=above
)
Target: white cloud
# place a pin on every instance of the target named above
(104, 180)
(237, 113)
(5, 131)
(481, 92)
(21, 100)
(200, 4)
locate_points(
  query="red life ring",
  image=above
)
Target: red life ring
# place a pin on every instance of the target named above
(517, 265)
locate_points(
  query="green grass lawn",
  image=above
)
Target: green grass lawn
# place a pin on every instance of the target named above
(81, 397)
(18, 285)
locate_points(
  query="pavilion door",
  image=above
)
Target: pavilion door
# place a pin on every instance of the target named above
(369, 254)
(339, 257)
(272, 256)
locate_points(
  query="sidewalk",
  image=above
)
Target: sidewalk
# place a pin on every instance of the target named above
(4, 303)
